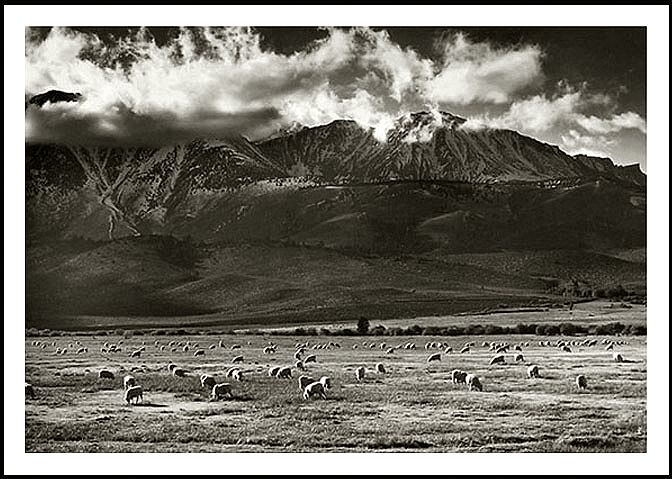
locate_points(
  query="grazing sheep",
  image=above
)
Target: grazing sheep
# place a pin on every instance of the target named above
(567, 349)
(136, 353)
(359, 373)
(30, 391)
(458, 376)
(171, 366)
(310, 359)
(519, 357)
(434, 357)
(502, 349)
(105, 374)
(618, 358)
(465, 349)
(80, 351)
(500, 359)
(185, 348)
(305, 381)
(129, 381)
(207, 381)
(220, 390)
(297, 355)
(326, 382)
(390, 351)
(134, 392)
(269, 350)
(533, 371)
(581, 381)
(237, 375)
(517, 348)
(610, 347)
(473, 382)
(380, 368)
(273, 371)
(230, 371)
(314, 389)
(212, 346)
(285, 373)
(179, 372)
(448, 350)
(354, 346)
(237, 359)
(299, 365)
(221, 343)
(200, 352)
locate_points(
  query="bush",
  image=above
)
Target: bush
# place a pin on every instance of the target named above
(378, 330)
(363, 325)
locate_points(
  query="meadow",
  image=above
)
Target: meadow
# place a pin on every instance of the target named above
(414, 406)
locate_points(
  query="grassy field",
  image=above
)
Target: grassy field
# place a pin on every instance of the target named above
(413, 407)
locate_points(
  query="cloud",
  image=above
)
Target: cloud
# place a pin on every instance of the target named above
(478, 72)
(616, 123)
(576, 143)
(220, 81)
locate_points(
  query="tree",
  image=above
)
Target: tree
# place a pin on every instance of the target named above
(363, 325)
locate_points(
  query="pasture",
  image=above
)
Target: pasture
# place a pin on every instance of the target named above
(414, 406)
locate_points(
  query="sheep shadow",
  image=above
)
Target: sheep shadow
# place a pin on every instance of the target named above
(147, 404)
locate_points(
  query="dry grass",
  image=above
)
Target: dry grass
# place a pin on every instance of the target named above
(414, 407)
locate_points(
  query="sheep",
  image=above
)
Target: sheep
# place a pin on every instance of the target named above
(310, 359)
(237, 359)
(314, 389)
(305, 381)
(448, 350)
(326, 382)
(581, 381)
(230, 371)
(220, 390)
(434, 357)
(502, 349)
(458, 376)
(171, 366)
(473, 382)
(136, 353)
(359, 373)
(185, 348)
(533, 371)
(30, 391)
(610, 347)
(237, 375)
(134, 392)
(269, 350)
(81, 350)
(105, 374)
(297, 355)
(273, 371)
(618, 358)
(380, 368)
(519, 357)
(200, 352)
(517, 348)
(354, 346)
(299, 365)
(390, 351)
(179, 372)
(221, 343)
(465, 349)
(284, 373)
(500, 359)
(207, 381)
(129, 381)
(567, 349)
(212, 346)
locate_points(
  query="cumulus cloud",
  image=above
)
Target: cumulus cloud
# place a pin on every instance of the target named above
(616, 123)
(478, 72)
(220, 81)
(594, 145)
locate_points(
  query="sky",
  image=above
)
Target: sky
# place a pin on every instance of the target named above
(581, 88)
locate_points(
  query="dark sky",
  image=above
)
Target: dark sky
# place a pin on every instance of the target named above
(582, 88)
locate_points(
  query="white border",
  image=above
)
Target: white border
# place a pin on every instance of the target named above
(655, 18)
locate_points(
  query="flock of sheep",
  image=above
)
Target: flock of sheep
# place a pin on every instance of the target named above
(317, 388)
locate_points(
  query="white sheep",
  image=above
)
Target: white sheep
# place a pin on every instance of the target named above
(129, 381)
(272, 372)
(618, 358)
(179, 372)
(299, 365)
(237, 375)
(310, 359)
(500, 359)
(581, 381)
(434, 357)
(448, 350)
(230, 371)
(171, 366)
(134, 392)
(533, 371)
(200, 352)
(609, 347)
(465, 349)
(305, 381)
(359, 373)
(326, 382)
(473, 382)
(105, 374)
(390, 351)
(136, 353)
(285, 372)
(519, 357)
(314, 389)
(221, 390)
(207, 381)
(380, 368)
(566, 349)
(237, 359)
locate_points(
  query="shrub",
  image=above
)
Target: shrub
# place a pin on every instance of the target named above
(363, 325)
